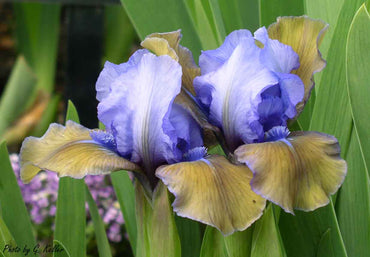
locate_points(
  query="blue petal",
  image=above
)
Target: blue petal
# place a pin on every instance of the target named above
(271, 108)
(292, 92)
(187, 131)
(195, 154)
(112, 71)
(105, 139)
(211, 60)
(277, 56)
(277, 133)
(235, 91)
(137, 109)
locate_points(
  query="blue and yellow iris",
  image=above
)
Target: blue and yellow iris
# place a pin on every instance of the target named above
(160, 109)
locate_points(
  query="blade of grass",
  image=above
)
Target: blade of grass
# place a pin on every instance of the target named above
(157, 232)
(48, 116)
(358, 77)
(213, 244)
(7, 242)
(301, 233)
(190, 236)
(353, 204)
(70, 219)
(62, 251)
(240, 14)
(208, 23)
(163, 16)
(13, 209)
(119, 34)
(239, 243)
(328, 11)
(271, 9)
(37, 36)
(100, 234)
(125, 193)
(305, 117)
(331, 113)
(18, 93)
(266, 236)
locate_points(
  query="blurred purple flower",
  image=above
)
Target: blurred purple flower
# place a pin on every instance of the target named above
(41, 194)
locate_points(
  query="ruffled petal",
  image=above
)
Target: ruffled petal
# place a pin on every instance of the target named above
(168, 44)
(138, 108)
(211, 60)
(232, 94)
(112, 71)
(69, 151)
(188, 132)
(297, 172)
(276, 56)
(304, 35)
(213, 191)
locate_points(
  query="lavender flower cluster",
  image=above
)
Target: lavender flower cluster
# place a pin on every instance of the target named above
(40, 196)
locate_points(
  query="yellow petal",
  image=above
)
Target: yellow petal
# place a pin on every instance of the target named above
(68, 151)
(168, 44)
(173, 38)
(298, 172)
(213, 191)
(159, 46)
(304, 35)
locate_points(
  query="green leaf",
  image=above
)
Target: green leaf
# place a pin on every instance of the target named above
(353, 204)
(266, 237)
(213, 244)
(328, 11)
(149, 16)
(11, 203)
(305, 117)
(301, 233)
(70, 219)
(190, 236)
(144, 214)
(62, 250)
(37, 37)
(358, 77)
(271, 9)
(48, 117)
(165, 240)
(240, 14)
(100, 234)
(125, 193)
(325, 247)
(18, 92)
(206, 17)
(157, 233)
(331, 113)
(7, 242)
(119, 34)
(239, 244)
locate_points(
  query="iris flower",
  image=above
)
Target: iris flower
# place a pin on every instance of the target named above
(157, 123)
(147, 132)
(251, 87)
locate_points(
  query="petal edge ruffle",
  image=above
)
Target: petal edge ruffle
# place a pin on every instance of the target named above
(69, 151)
(213, 191)
(299, 172)
(304, 35)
